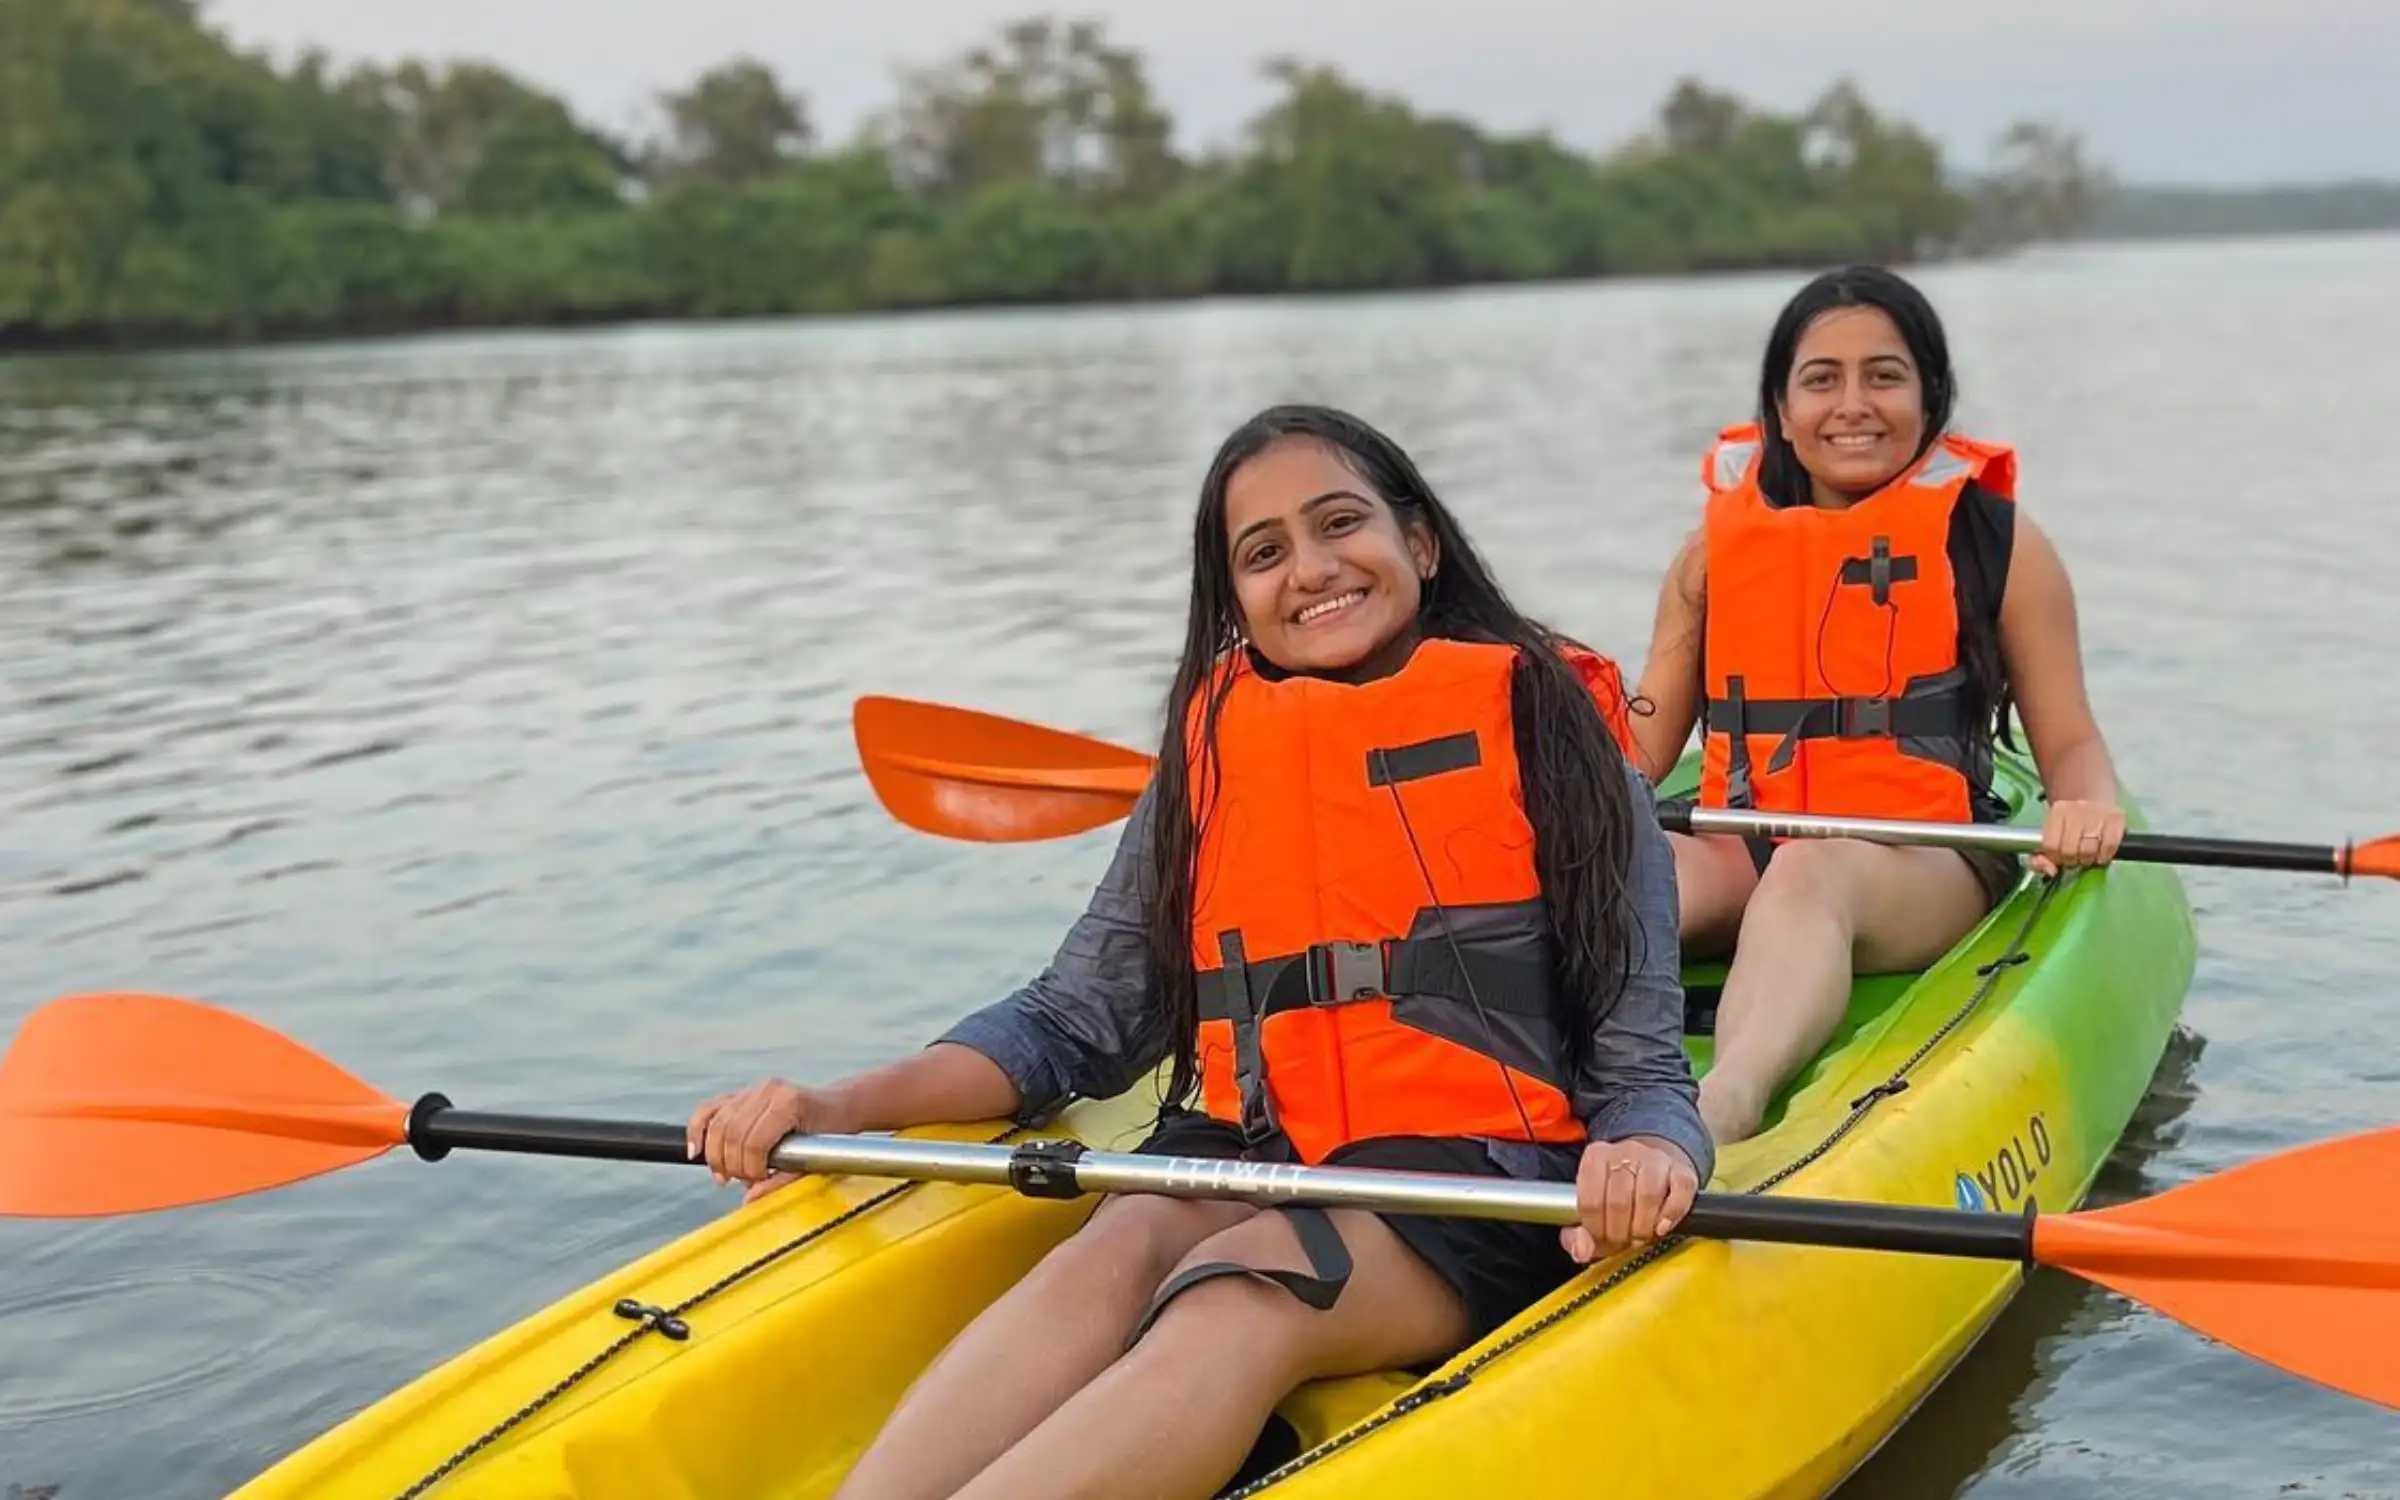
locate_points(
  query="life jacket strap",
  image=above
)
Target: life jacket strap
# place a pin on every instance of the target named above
(1320, 1287)
(1249, 1061)
(1930, 708)
(1503, 947)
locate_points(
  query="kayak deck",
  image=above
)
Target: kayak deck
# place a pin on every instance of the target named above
(1999, 1076)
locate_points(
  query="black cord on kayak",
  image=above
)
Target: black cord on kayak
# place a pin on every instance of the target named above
(1441, 914)
(649, 1320)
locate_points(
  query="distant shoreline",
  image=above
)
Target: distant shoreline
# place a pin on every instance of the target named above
(18, 348)
(14, 344)
(2175, 211)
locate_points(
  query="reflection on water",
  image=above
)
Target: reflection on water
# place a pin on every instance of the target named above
(476, 709)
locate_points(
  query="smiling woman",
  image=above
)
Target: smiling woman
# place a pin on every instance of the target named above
(1879, 608)
(1394, 898)
(1322, 586)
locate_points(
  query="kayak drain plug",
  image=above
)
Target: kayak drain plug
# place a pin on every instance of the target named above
(654, 1317)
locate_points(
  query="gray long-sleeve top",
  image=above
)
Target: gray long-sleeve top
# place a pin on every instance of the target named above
(1088, 1025)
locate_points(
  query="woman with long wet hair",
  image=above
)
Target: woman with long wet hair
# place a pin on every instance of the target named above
(1395, 898)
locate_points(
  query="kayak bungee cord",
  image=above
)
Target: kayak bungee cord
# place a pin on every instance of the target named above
(668, 1322)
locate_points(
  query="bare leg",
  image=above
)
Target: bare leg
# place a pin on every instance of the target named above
(1033, 1348)
(1713, 881)
(1174, 1418)
(1821, 913)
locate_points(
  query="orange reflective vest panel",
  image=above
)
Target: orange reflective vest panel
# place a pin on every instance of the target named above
(1348, 820)
(1833, 677)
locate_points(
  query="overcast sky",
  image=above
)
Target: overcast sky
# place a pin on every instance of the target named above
(2181, 90)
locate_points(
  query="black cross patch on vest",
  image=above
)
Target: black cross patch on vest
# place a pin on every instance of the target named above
(1879, 569)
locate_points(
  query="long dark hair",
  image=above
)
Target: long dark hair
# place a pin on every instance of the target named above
(1577, 795)
(1783, 480)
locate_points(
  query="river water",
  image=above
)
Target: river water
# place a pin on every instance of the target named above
(476, 709)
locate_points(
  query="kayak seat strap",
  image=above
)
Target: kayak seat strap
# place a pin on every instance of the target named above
(1319, 1287)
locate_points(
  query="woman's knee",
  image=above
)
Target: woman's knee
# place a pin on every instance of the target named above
(1232, 1316)
(1364, 1305)
(1714, 880)
(1135, 1242)
(1804, 879)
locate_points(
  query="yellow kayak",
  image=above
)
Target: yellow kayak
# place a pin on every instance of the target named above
(753, 1358)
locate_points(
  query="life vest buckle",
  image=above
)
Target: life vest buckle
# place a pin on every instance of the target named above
(1866, 718)
(1341, 973)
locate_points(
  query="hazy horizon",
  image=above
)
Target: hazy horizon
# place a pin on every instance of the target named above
(2223, 95)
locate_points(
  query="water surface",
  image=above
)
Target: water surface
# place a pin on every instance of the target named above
(477, 710)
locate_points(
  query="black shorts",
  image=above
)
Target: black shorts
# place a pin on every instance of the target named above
(1996, 870)
(1498, 1268)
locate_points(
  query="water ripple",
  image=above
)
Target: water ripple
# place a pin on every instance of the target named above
(223, 1317)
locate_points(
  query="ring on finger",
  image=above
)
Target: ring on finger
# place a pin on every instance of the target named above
(1621, 1164)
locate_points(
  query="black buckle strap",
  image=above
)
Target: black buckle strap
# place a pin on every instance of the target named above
(1852, 719)
(1340, 973)
(1321, 974)
(1863, 718)
(1920, 713)
(1504, 969)
(1249, 1057)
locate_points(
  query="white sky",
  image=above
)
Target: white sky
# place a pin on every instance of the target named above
(2178, 90)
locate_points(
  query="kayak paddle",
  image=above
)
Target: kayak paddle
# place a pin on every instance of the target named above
(125, 1103)
(978, 776)
(962, 774)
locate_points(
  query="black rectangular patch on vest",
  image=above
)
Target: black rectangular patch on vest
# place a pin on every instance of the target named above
(1452, 752)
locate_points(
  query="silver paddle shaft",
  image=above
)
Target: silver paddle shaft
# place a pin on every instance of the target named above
(1066, 1169)
(1267, 1184)
(1056, 1169)
(2001, 837)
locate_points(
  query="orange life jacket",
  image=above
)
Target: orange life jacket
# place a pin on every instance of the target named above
(1331, 1006)
(1607, 687)
(1831, 646)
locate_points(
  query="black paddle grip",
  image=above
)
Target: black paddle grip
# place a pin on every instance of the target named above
(1863, 1226)
(435, 1129)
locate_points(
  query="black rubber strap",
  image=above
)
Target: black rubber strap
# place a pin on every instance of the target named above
(1319, 1287)
(1736, 714)
(1249, 1058)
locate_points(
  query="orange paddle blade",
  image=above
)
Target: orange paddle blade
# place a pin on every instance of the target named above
(969, 775)
(2293, 1259)
(122, 1103)
(2374, 857)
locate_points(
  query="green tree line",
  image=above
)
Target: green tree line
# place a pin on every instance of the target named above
(157, 184)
